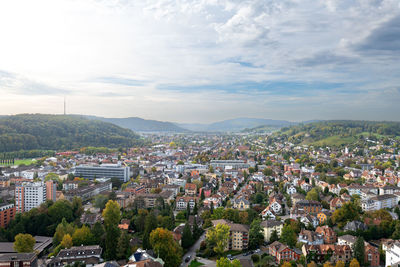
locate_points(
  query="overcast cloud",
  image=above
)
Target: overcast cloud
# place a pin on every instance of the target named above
(202, 61)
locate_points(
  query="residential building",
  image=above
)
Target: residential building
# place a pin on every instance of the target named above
(235, 164)
(90, 255)
(392, 255)
(337, 252)
(310, 237)
(182, 202)
(87, 192)
(347, 240)
(51, 190)
(190, 189)
(18, 259)
(282, 252)
(7, 213)
(269, 226)
(372, 255)
(241, 204)
(29, 195)
(103, 171)
(238, 234)
(329, 235)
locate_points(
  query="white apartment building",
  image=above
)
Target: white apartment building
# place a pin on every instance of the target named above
(29, 195)
(393, 255)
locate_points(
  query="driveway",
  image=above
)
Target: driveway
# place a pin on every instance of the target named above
(192, 250)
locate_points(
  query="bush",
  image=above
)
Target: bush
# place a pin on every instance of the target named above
(255, 258)
(264, 255)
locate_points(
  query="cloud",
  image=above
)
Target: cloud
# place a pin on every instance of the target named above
(196, 60)
(386, 38)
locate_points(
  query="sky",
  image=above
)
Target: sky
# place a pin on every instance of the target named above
(202, 61)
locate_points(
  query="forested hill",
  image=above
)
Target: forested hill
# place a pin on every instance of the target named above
(332, 133)
(39, 131)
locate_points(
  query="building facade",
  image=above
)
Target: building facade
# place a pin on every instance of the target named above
(29, 195)
(103, 171)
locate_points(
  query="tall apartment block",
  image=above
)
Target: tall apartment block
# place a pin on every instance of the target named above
(29, 195)
(7, 213)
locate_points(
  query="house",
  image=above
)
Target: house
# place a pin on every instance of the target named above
(182, 202)
(307, 206)
(296, 198)
(90, 255)
(336, 203)
(310, 237)
(276, 206)
(392, 255)
(355, 225)
(190, 189)
(347, 240)
(323, 216)
(241, 204)
(291, 190)
(335, 252)
(19, 259)
(372, 255)
(328, 234)
(282, 252)
(238, 234)
(309, 219)
(268, 213)
(269, 226)
(143, 259)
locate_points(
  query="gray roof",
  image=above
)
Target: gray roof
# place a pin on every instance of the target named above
(18, 256)
(271, 223)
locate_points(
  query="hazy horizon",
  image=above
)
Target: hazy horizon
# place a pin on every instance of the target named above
(202, 61)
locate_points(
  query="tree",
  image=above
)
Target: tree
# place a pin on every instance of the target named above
(288, 236)
(111, 215)
(62, 229)
(150, 225)
(359, 250)
(255, 258)
(286, 264)
(202, 197)
(187, 238)
(187, 211)
(66, 242)
(124, 247)
(256, 236)
(224, 262)
(24, 243)
(61, 209)
(327, 264)
(218, 237)
(274, 236)
(354, 263)
(83, 236)
(100, 201)
(312, 195)
(312, 264)
(98, 232)
(339, 264)
(165, 246)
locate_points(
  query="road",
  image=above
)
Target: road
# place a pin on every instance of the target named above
(192, 250)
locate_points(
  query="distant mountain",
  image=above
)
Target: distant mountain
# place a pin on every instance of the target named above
(54, 132)
(235, 125)
(141, 125)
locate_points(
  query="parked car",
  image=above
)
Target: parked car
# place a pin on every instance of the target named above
(187, 259)
(257, 250)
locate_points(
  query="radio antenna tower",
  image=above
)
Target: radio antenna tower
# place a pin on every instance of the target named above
(65, 106)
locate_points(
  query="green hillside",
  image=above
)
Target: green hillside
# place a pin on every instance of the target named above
(337, 133)
(55, 132)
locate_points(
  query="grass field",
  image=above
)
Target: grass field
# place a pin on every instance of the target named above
(335, 141)
(195, 264)
(21, 161)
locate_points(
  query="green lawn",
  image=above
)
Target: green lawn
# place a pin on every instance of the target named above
(335, 140)
(21, 161)
(195, 264)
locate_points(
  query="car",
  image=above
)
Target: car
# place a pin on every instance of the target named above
(229, 256)
(187, 259)
(247, 253)
(257, 250)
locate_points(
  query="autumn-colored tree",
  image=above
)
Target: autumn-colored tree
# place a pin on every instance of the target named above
(354, 263)
(224, 262)
(312, 264)
(164, 245)
(111, 215)
(62, 229)
(24, 243)
(218, 237)
(66, 242)
(327, 264)
(339, 264)
(286, 264)
(83, 236)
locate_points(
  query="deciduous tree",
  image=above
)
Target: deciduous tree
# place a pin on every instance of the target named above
(24, 243)
(165, 246)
